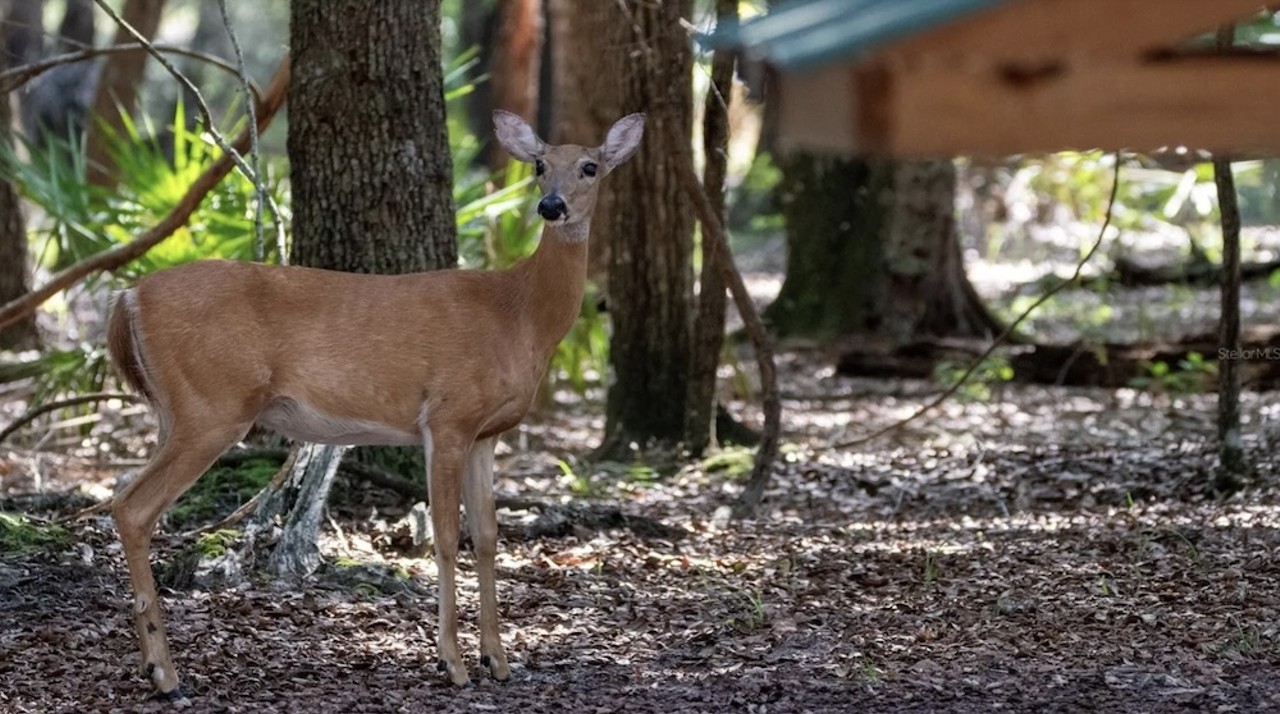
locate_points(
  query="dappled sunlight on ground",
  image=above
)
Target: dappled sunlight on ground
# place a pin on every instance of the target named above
(1046, 549)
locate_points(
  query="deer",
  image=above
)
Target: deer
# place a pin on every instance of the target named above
(217, 347)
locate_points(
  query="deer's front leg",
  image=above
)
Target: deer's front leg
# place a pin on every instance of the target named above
(446, 456)
(482, 522)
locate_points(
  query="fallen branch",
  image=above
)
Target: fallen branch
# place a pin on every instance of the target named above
(272, 100)
(1004, 336)
(37, 412)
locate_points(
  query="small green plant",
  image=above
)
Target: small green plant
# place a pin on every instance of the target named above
(993, 370)
(20, 535)
(751, 614)
(929, 574)
(1192, 374)
(732, 462)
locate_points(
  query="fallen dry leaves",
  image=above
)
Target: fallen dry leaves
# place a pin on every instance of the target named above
(1053, 550)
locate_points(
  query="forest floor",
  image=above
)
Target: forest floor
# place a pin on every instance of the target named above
(1040, 550)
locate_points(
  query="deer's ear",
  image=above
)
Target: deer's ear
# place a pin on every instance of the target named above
(517, 137)
(623, 140)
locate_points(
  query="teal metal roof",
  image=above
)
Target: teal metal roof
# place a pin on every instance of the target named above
(805, 34)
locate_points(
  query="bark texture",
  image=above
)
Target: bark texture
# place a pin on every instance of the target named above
(645, 64)
(582, 104)
(118, 87)
(368, 148)
(13, 241)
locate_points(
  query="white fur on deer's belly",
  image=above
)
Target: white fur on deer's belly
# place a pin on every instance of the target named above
(302, 422)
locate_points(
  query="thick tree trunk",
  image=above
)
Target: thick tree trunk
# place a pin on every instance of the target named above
(371, 176)
(13, 241)
(118, 87)
(836, 212)
(885, 264)
(708, 329)
(368, 147)
(928, 291)
(645, 65)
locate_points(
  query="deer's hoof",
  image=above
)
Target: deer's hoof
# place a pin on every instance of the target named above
(497, 666)
(456, 673)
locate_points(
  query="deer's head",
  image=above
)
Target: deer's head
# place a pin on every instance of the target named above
(569, 175)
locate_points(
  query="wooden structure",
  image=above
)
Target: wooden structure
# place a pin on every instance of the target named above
(996, 77)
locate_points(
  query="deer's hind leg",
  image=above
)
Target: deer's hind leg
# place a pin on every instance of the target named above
(188, 448)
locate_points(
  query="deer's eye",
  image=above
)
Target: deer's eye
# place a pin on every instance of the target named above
(589, 169)
(539, 167)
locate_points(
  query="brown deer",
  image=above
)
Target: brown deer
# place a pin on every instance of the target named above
(448, 360)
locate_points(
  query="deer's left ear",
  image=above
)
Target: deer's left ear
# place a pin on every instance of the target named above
(517, 137)
(623, 140)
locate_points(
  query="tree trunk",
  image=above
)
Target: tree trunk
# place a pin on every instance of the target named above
(23, 32)
(13, 239)
(510, 37)
(76, 31)
(928, 291)
(885, 264)
(55, 104)
(371, 176)
(708, 329)
(581, 108)
(645, 64)
(837, 212)
(118, 88)
(368, 147)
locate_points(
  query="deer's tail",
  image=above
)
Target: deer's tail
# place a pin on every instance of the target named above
(122, 343)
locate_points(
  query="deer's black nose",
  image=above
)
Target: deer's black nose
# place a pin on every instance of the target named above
(552, 207)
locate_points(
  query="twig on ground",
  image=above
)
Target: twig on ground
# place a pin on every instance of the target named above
(1008, 331)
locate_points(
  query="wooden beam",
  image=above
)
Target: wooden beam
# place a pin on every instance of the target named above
(1040, 31)
(1219, 104)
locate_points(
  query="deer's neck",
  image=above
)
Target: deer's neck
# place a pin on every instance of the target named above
(556, 276)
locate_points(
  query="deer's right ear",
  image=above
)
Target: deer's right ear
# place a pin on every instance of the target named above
(517, 137)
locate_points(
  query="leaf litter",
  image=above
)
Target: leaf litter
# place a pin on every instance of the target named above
(1050, 549)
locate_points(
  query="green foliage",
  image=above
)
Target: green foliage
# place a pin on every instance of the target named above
(20, 536)
(993, 371)
(752, 203)
(1192, 374)
(84, 220)
(732, 462)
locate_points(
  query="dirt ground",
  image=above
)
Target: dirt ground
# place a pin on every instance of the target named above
(1046, 550)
